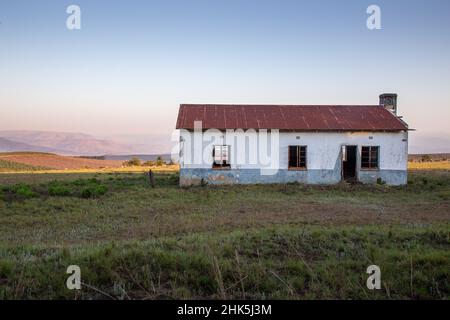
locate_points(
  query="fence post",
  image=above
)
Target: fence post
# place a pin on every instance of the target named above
(151, 178)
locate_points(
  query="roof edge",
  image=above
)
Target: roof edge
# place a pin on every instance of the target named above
(276, 105)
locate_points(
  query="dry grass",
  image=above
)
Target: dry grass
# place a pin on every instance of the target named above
(434, 165)
(57, 162)
(16, 167)
(8, 166)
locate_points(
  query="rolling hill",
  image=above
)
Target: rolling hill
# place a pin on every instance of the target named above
(64, 143)
(34, 160)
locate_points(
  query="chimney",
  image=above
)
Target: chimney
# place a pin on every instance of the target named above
(389, 101)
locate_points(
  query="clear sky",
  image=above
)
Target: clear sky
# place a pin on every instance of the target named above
(133, 62)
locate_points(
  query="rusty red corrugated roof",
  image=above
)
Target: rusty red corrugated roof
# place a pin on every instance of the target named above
(290, 117)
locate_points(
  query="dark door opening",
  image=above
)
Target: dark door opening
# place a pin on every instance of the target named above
(349, 163)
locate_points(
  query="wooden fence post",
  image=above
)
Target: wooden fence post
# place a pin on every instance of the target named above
(151, 178)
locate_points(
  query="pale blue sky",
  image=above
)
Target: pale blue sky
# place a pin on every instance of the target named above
(133, 62)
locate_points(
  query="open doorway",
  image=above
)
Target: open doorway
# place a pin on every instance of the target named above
(349, 163)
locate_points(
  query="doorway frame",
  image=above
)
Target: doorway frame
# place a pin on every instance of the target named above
(356, 160)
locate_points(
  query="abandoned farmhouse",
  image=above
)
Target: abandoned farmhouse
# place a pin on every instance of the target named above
(312, 144)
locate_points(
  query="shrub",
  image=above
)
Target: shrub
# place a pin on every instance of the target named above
(23, 190)
(6, 269)
(159, 161)
(149, 163)
(132, 162)
(444, 195)
(58, 190)
(93, 191)
(426, 158)
(79, 182)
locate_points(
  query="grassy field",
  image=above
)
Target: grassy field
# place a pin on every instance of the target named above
(434, 165)
(291, 241)
(50, 161)
(9, 166)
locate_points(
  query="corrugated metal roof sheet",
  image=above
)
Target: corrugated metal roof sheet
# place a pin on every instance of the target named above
(289, 117)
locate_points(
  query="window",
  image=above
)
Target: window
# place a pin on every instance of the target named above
(297, 157)
(221, 157)
(369, 157)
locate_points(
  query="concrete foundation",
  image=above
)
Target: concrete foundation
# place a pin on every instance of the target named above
(253, 176)
(390, 177)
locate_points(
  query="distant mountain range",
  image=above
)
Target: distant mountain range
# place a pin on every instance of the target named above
(12, 146)
(69, 143)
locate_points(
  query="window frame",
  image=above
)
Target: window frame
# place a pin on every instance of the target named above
(370, 158)
(299, 157)
(221, 166)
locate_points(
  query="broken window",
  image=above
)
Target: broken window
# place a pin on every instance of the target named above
(369, 157)
(297, 157)
(221, 156)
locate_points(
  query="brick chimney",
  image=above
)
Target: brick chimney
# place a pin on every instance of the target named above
(389, 101)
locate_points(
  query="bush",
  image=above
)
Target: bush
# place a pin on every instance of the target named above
(444, 195)
(149, 163)
(93, 191)
(132, 162)
(426, 158)
(58, 190)
(84, 182)
(159, 161)
(23, 190)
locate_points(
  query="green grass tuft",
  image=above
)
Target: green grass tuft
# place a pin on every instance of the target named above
(57, 189)
(94, 191)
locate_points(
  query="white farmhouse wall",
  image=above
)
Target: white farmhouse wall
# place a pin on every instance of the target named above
(323, 149)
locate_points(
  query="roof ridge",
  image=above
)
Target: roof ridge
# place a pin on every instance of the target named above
(277, 105)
